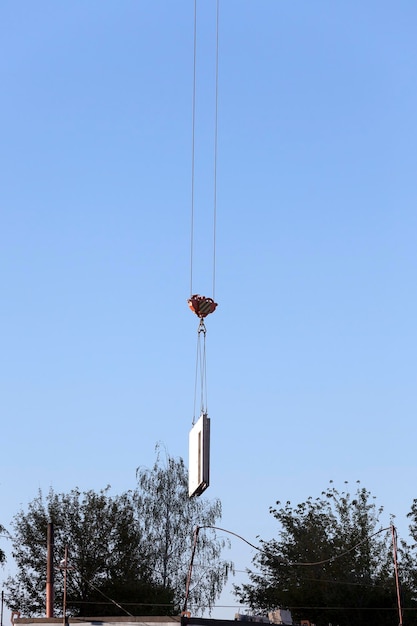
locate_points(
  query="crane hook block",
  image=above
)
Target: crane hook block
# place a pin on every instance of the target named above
(201, 306)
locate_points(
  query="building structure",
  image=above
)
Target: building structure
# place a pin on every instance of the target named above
(151, 620)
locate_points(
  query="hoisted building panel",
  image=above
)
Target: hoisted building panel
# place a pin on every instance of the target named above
(199, 456)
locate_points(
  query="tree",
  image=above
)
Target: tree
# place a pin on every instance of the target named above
(332, 563)
(168, 519)
(409, 559)
(106, 556)
(126, 553)
(2, 554)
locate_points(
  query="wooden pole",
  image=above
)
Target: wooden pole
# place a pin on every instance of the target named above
(50, 572)
(64, 608)
(397, 580)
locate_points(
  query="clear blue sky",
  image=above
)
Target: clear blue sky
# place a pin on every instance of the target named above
(312, 351)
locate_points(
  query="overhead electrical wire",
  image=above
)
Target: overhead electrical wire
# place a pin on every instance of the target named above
(86, 580)
(315, 563)
(294, 564)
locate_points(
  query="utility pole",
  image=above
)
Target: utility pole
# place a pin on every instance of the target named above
(397, 580)
(64, 565)
(49, 572)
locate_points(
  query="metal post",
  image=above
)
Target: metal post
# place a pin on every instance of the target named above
(50, 572)
(190, 571)
(397, 580)
(64, 608)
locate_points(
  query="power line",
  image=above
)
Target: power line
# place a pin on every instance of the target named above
(293, 564)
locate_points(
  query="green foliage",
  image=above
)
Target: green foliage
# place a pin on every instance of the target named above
(134, 549)
(168, 518)
(409, 560)
(330, 563)
(2, 554)
(105, 554)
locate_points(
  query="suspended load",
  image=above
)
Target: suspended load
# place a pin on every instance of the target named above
(199, 456)
(199, 438)
(201, 306)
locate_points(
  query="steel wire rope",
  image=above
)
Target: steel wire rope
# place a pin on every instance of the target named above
(196, 378)
(197, 370)
(193, 149)
(215, 148)
(200, 368)
(201, 350)
(203, 399)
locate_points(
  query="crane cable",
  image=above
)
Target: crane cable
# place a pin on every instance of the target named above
(215, 149)
(200, 371)
(202, 305)
(193, 149)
